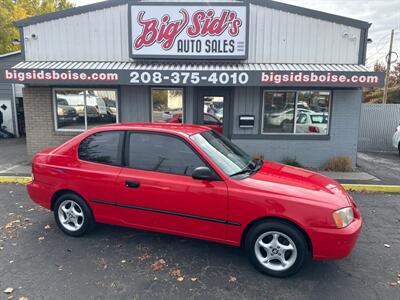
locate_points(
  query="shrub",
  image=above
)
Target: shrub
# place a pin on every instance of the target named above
(339, 164)
(291, 162)
(257, 156)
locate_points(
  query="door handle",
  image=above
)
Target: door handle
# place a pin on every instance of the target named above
(132, 184)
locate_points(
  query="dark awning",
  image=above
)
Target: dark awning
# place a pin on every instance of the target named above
(199, 74)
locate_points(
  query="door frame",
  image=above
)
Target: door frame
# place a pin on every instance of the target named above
(227, 93)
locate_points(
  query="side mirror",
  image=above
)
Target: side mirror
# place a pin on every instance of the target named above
(203, 173)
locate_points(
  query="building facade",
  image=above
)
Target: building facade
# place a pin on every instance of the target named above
(282, 82)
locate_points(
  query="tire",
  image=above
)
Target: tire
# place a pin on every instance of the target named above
(398, 148)
(70, 207)
(285, 125)
(279, 259)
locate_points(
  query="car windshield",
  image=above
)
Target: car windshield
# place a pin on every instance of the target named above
(227, 156)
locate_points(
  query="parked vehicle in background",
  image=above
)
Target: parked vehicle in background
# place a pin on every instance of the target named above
(65, 112)
(396, 139)
(111, 108)
(95, 106)
(282, 118)
(208, 120)
(98, 104)
(191, 181)
(312, 123)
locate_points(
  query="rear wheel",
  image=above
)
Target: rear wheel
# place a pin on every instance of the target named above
(398, 147)
(73, 216)
(277, 248)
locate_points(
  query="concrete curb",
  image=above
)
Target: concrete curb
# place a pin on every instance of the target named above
(15, 179)
(373, 188)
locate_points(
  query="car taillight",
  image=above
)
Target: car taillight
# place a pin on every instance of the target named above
(313, 129)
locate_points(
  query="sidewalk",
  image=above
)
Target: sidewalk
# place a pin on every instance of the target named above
(13, 158)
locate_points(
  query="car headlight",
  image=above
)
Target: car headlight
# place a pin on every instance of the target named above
(343, 217)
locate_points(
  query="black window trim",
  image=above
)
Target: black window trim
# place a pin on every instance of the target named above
(126, 152)
(120, 157)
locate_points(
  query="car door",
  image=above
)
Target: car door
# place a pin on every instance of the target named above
(156, 190)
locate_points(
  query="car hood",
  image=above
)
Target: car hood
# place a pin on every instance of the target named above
(297, 183)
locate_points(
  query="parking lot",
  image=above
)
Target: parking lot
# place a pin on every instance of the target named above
(39, 262)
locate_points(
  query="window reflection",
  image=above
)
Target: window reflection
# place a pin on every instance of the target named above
(167, 105)
(82, 109)
(310, 109)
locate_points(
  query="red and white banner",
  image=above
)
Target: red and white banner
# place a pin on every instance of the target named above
(188, 31)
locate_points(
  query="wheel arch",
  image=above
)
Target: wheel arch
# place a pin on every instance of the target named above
(280, 219)
(61, 192)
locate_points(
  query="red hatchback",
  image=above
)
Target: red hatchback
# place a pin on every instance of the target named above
(191, 181)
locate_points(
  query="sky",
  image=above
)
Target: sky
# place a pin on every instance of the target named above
(383, 14)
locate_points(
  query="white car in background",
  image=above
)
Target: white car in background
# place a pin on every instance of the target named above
(312, 123)
(396, 139)
(283, 117)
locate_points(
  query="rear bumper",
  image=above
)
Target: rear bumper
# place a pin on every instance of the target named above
(40, 193)
(335, 243)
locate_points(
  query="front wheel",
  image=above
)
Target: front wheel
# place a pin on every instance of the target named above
(277, 248)
(73, 216)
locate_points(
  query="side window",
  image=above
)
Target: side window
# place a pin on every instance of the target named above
(102, 147)
(210, 120)
(302, 119)
(162, 153)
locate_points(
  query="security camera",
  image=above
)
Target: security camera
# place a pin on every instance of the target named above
(34, 36)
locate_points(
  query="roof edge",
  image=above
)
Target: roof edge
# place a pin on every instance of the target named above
(71, 12)
(308, 12)
(10, 53)
(265, 3)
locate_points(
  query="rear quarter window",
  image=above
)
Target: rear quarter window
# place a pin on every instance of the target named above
(102, 147)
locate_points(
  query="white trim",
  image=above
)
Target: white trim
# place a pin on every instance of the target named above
(295, 112)
(83, 89)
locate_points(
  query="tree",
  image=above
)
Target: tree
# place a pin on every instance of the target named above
(13, 10)
(375, 95)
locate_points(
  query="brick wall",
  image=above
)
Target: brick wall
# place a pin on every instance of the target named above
(39, 120)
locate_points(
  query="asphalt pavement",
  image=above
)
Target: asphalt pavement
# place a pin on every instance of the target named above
(39, 262)
(384, 165)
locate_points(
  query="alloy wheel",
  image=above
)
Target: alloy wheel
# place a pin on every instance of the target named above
(71, 215)
(275, 251)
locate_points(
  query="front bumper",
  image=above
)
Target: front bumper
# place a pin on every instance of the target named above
(333, 243)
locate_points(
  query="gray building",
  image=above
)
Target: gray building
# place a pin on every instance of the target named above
(11, 99)
(280, 81)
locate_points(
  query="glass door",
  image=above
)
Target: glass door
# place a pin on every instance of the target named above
(213, 109)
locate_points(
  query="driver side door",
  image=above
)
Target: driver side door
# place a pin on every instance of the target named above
(157, 192)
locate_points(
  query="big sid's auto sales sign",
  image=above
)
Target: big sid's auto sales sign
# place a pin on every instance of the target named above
(188, 31)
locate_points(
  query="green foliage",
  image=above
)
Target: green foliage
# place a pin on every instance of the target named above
(375, 95)
(13, 10)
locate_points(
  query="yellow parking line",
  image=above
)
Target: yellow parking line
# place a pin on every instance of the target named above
(372, 188)
(15, 179)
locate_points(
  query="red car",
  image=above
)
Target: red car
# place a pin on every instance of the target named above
(209, 120)
(191, 181)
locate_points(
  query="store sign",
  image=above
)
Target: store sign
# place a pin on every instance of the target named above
(188, 31)
(196, 78)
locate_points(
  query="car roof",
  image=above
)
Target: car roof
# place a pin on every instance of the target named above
(173, 128)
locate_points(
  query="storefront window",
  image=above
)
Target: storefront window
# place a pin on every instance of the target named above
(167, 105)
(310, 109)
(78, 109)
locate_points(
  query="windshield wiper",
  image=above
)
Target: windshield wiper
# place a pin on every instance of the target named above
(252, 167)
